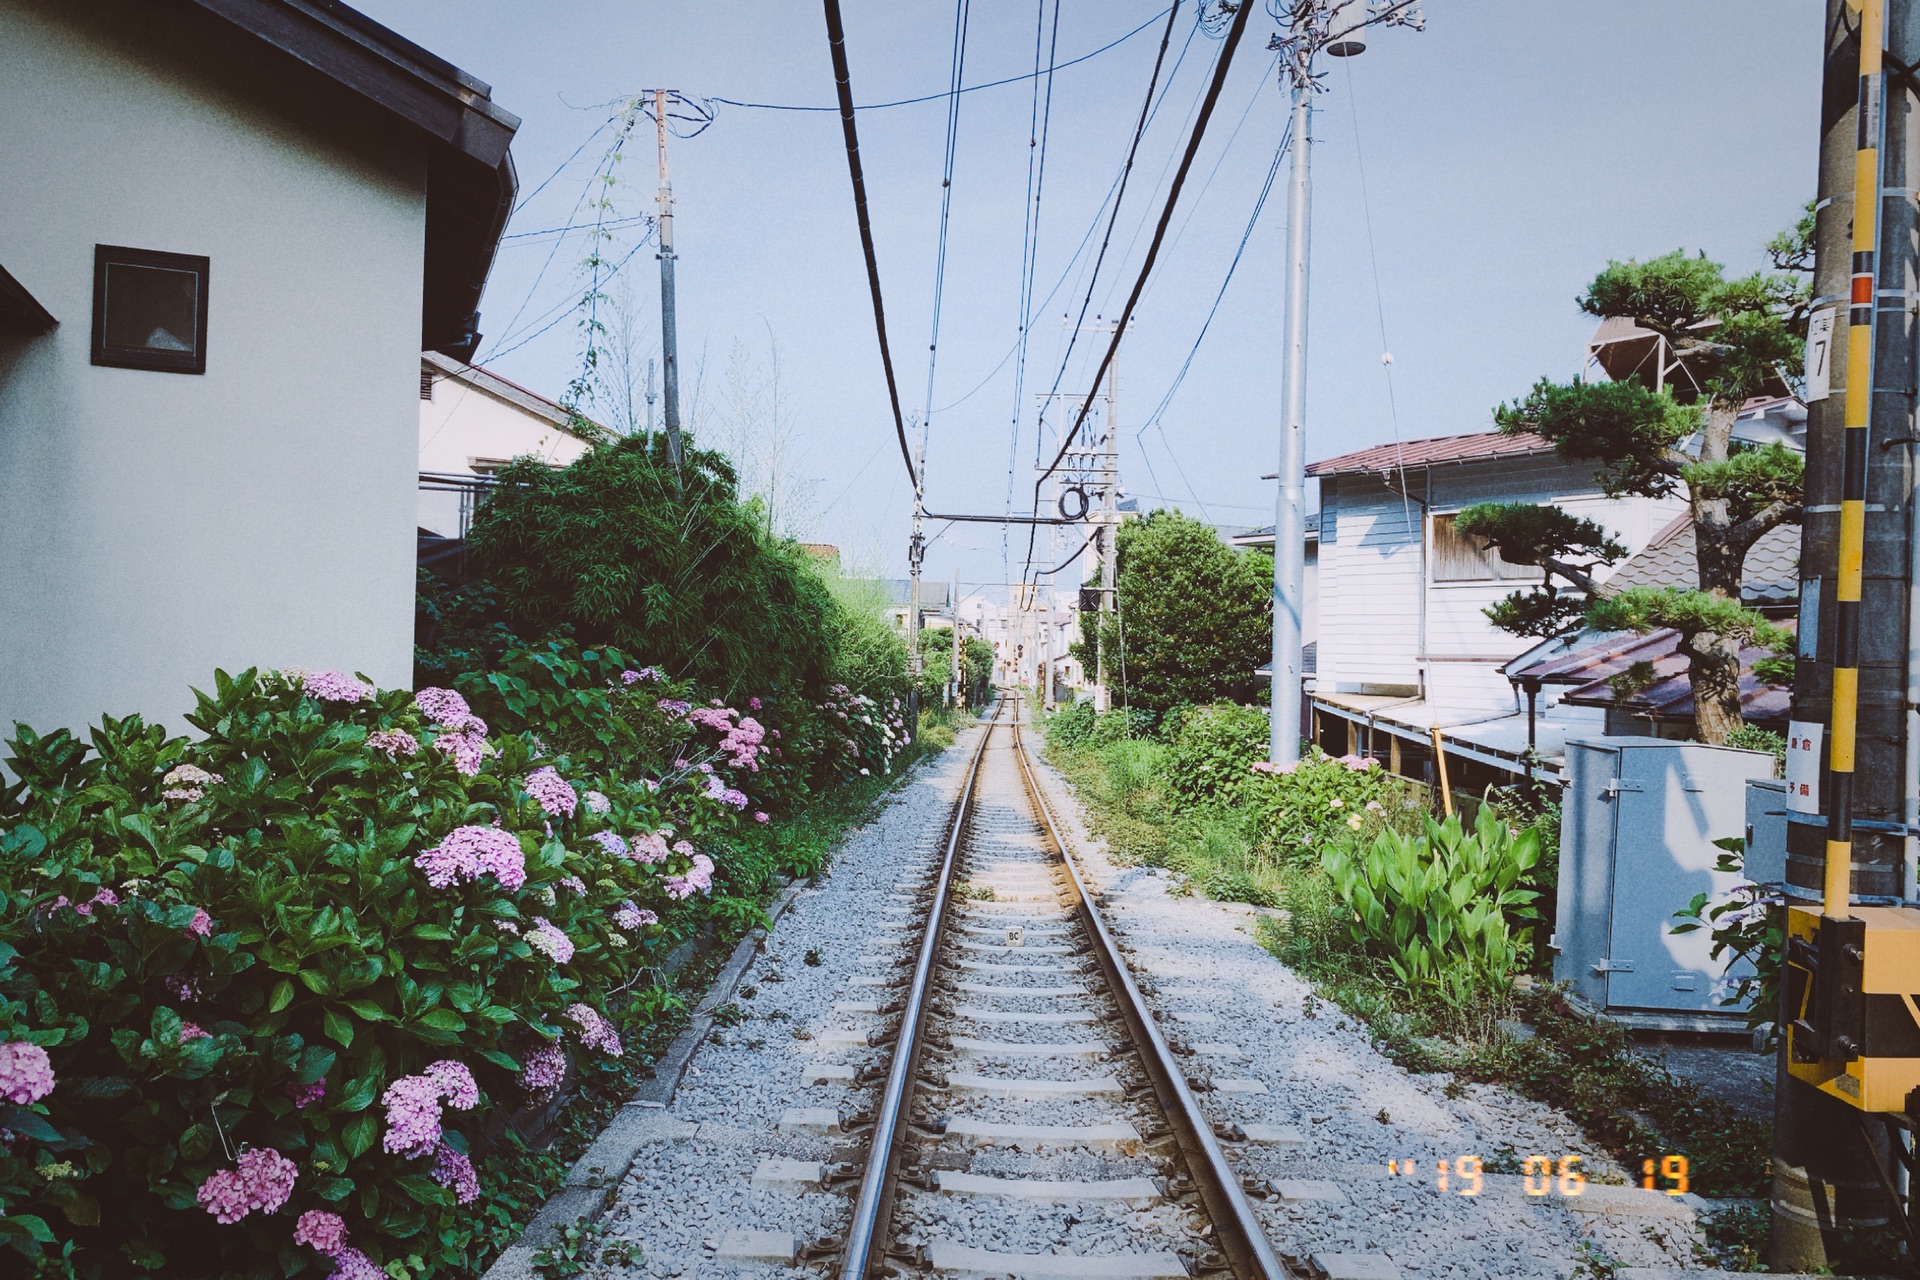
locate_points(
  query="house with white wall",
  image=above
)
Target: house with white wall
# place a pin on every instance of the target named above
(1405, 646)
(472, 423)
(228, 229)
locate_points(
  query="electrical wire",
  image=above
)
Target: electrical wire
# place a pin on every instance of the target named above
(1379, 305)
(1221, 66)
(972, 88)
(843, 88)
(1038, 127)
(962, 10)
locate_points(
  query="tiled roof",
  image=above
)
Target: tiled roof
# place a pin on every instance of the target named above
(1439, 449)
(1590, 666)
(1772, 570)
(1263, 536)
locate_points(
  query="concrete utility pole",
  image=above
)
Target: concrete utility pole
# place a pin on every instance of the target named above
(1339, 28)
(916, 553)
(953, 610)
(1110, 514)
(1290, 508)
(1858, 552)
(669, 333)
(651, 397)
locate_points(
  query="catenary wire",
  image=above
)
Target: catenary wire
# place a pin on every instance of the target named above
(843, 87)
(972, 88)
(1221, 66)
(962, 10)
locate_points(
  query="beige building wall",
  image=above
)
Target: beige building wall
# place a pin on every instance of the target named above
(470, 421)
(159, 525)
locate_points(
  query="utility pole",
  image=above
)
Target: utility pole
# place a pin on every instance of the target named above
(1855, 680)
(953, 610)
(650, 396)
(1338, 28)
(916, 553)
(669, 333)
(1110, 514)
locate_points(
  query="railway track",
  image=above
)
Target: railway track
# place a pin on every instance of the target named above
(1034, 1120)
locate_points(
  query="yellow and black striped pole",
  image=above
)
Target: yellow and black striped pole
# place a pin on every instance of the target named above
(1853, 480)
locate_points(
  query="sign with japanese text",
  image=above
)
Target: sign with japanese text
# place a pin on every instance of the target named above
(1803, 766)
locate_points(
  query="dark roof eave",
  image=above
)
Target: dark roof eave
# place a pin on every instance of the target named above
(471, 182)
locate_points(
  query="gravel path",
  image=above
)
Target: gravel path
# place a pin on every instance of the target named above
(721, 1188)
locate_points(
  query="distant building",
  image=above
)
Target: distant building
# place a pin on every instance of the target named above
(472, 423)
(228, 230)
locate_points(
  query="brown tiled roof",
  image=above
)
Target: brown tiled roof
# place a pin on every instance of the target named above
(1670, 698)
(1771, 574)
(1439, 449)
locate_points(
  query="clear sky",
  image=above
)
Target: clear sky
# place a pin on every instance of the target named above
(1508, 151)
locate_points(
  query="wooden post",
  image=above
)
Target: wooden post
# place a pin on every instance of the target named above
(1440, 769)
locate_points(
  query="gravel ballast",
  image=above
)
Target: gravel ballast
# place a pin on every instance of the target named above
(1342, 1109)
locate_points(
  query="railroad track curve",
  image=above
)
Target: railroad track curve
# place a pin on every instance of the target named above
(1034, 1120)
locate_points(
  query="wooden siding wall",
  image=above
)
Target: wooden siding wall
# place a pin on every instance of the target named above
(1372, 575)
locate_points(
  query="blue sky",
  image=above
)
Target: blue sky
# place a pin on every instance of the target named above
(1508, 151)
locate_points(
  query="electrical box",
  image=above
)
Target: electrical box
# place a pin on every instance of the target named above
(1638, 823)
(1766, 857)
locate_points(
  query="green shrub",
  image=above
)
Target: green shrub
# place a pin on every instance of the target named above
(1445, 910)
(1134, 767)
(234, 950)
(1120, 724)
(1071, 726)
(1324, 800)
(1214, 750)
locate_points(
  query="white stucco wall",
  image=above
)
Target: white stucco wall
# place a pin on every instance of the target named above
(160, 525)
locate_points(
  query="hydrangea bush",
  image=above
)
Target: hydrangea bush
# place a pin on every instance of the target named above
(269, 997)
(1305, 807)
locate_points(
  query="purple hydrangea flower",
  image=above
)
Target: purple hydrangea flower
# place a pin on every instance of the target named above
(598, 803)
(263, 1180)
(544, 1069)
(612, 843)
(335, 686)
(466, 853)
(395, 742)
(413, 1106)
(595, 1031)
(320, 1230)
(351, 1264)
(554, 793)
(543, 937)
(26, 1073)
(451, 1168)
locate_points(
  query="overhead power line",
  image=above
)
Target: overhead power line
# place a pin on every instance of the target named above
(843, 87)
(942, 96)
(1159, 232)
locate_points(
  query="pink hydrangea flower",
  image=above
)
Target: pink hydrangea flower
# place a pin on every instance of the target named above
(413, 1106)
(187, 782)
(597, 802)
(193, 1031)
(26, 1073)
(545, 938)
(202, 923)
(553, 792)
(467, 853)
(753, 704)
(262, 1180)
(106, 897)
(760, 816)
(443, 707)
(630, 917)
(651, 848)
(395, 742)
(320, 1230)
(544, 1069)
(595, 1031)
(451, 1168)
(335, 686)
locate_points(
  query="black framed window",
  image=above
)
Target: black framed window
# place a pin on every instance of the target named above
(149, 310)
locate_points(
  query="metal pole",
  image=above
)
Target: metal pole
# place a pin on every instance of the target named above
(1854, 563)
(1290, 510)
(669, 334)
(1110, 511)
(953, 610)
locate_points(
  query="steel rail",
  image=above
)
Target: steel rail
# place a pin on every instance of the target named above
(873, 1208)
(1239, 1232)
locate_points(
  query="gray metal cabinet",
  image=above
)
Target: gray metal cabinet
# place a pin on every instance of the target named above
(1636, 843)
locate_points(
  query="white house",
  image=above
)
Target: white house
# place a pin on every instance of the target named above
(1404, 643)
(473, 422)
(228, 228)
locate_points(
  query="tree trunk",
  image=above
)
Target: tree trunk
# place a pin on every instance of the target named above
(1719, 564)
(1713, 672)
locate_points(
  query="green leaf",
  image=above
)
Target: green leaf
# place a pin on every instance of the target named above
(282, 996)
(444, 1020)
(339, 1028)
(369, 1010)
(360, 1133)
